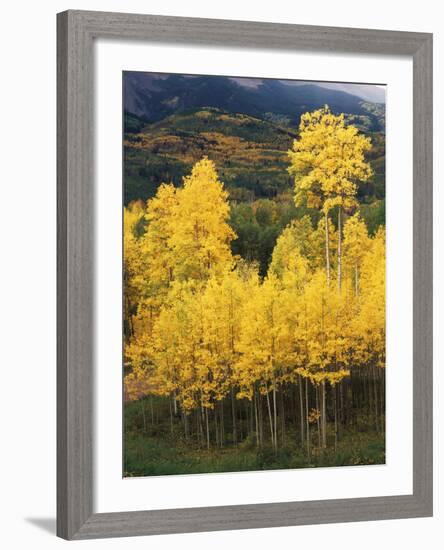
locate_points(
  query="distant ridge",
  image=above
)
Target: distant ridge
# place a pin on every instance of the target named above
(154, 96)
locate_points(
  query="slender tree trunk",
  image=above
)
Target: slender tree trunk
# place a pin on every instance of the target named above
(143, 414)
(208, 428)
(335, 404)
(171, 416)
(216, 431)
(258, 443)
(327, 249)
(339, 248)
(275, 417)
(233, 415)
(200, 426)
(371, 395)
(152, 409)
(270, 418)
(222, 424)
(306, 418)
(185, 425)
(341, 404)
(282, 418)
(318, 423)
(324, 416)
(301, 403)
(261, 418)
(351, 400)
(376, 399)
(366, 394)
(243, 424)
(383, 405)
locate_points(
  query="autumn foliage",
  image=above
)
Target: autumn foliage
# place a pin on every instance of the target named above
(295, 352)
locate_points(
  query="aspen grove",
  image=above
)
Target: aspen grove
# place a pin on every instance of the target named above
(235, 356)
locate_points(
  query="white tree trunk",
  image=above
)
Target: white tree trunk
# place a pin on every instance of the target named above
(339, 248)
(270, 418)
(327, 250)
(324, 417)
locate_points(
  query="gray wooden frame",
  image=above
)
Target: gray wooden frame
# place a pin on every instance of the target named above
(77, 31)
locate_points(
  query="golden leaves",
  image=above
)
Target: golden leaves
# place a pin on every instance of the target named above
(327, 160)
(201, 322)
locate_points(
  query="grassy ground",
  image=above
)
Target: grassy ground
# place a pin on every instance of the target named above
(154, 450)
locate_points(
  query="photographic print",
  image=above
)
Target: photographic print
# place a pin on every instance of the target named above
(253, 274)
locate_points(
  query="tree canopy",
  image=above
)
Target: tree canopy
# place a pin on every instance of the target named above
(204, 325)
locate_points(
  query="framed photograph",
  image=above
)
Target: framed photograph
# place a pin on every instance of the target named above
(244, 275)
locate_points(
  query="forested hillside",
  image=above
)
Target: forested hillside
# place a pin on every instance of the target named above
(251, 158)
(254, 274)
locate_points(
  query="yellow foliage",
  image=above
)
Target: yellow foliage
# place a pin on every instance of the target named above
(368, 325)
(202, 324)
(327, 160)
(200, 236)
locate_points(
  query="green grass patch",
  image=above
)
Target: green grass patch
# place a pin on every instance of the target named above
(152, 449)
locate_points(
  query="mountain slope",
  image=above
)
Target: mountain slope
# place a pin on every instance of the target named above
(250, 153)
(152, 97)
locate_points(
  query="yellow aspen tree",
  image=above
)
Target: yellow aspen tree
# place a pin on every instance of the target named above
(155, 246)
(294, 271)
(153, 260)
(203, 329)
(369, 324)
(317, 242)
(287, 258)
(325, 315)
(187, 239)
(200, 240)
(133, 264)
(152, 263)
(223, 300)
(182, 364)
(175, 346)
(327, 161)
(265, 346)
(356, 245)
